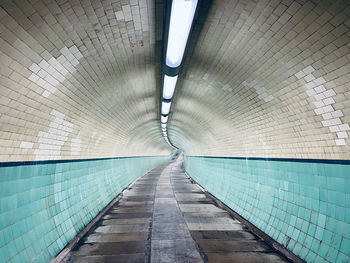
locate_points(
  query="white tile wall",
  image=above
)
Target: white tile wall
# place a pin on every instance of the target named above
(288, 65)
(81, 80)
(69, 69)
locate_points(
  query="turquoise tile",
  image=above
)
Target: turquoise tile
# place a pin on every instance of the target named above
(342, 258)
(297, 248)
(42, 207)
(347, 214)
(311, 256)
(319, 233)
(315, 246)
(332, 254)
(303, 253)
(321, 220)
(325, 208)
(323, 250)
(336, 197)
(4, 252)
(319, 259)
(327, 237)
(332, 170)
(271, 194)
(340, 213)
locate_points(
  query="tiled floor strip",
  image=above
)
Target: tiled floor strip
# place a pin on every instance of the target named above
(164, 217)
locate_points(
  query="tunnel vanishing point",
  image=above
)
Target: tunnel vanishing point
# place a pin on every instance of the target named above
(174, 131)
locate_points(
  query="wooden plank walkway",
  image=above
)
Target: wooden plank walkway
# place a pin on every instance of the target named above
(164, 217)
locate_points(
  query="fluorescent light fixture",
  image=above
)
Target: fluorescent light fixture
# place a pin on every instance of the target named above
(181, 18)
(169, 86)
(163, 125)
(165, 107)
(164, 119)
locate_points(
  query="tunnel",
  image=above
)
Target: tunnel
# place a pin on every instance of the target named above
(174, 131)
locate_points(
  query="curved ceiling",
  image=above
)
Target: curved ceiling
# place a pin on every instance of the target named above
(267, 79)
(81, 79)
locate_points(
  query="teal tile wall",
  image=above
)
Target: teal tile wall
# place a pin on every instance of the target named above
(44, 206)
(303, 206)
(174, 153)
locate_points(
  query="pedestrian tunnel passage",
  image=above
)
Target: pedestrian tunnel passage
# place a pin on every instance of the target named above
(164, 217)
(255, 93)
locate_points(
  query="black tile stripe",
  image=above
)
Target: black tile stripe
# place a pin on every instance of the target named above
(326, 161)
(9, 164)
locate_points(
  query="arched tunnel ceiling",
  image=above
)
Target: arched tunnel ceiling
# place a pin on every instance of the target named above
(267, 79)
(81, 79)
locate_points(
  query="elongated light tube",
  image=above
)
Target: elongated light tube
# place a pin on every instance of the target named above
(165, 107)
(181, 18)
(164, 119)
(169, 86)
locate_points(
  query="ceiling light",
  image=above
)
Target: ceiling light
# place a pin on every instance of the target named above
(163, 125)
(181, 18)
(165, 107)
(169, 86)
(164, 119)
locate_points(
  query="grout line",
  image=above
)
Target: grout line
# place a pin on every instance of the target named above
(63, 256)
(281, 250)
(65, 253)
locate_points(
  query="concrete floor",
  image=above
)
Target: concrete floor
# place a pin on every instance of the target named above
(164, 217)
